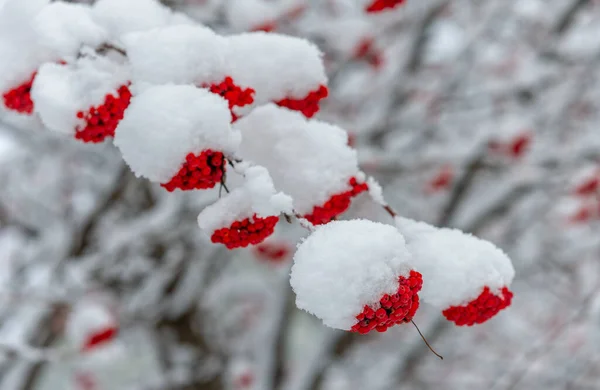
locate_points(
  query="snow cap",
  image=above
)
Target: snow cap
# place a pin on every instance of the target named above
(345, 265)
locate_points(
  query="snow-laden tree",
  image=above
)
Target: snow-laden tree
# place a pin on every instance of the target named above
(181, 178)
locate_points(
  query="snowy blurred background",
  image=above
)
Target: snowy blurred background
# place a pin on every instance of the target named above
(483, 115)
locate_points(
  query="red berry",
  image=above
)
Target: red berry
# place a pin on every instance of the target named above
(234, 94)
(101, 121)
(385, 315)
(247, 232)
(309, 105)
(381, 5)
(479, 310)
(198, 172)
(589, 187)
(19, 98)
(336, 205)
(99, 338)
(272, 252)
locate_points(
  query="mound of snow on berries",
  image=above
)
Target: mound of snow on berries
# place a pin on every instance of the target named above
(165, 123)
(61, 91)
(125, 16)
(65, 27)
(275, 66)
(456, 266)
(256, 196)
(308, 159)
(177, 54)
(345, 265)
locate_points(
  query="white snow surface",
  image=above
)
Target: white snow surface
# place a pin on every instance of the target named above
(275, 66)
(455, 265)
(125, 16)
(64, 27)
(345, 265)
(19, 42)
(177, 54)
(163, 124)
(256, 196)
(59, 92)
(307, 159)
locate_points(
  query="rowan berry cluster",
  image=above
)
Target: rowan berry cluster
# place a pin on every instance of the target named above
(199, 172)
(19, 98)
(395, 309)
(481, 309)
(309, 105)
(337, 204)
(101, 121)
(250, 231)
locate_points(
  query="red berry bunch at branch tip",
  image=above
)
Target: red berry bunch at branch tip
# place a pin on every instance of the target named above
(478, 311)
(337, 204)
(309, 105)
(382, 5)
(199, 172)
(250, 231)
(19, 98)
(99, 338)
(272, 252)
(395, 309)
(234, 94)
(101, 121)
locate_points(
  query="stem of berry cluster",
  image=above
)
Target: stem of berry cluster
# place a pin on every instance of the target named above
(425, 340)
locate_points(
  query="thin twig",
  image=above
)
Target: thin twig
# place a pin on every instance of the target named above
(425, 340)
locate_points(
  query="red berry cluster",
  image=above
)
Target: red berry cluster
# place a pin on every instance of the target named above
(484, 307)
(199, 172)
(103, 336)
(309, 105)
(272, 252)
(19, 99)
(336, 205)
(235, 95)
(398, 308)
(381, 5)
(250, 231)
(101, 121)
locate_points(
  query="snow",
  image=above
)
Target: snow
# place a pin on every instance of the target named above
(121, 17)
(256, 196)
(456, 266)
(307, 159)
(60, 91)
(375, 191)
(275, 66)
(345, 265)
(177, 54)
(163, 124)
(19, 42)
(65, 27)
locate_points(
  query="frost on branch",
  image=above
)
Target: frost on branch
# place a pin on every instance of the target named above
(85, 99)
(177, 135)
(247, 215)
(466, 277)
(307, 159)
(280, 69)
(356, 275)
